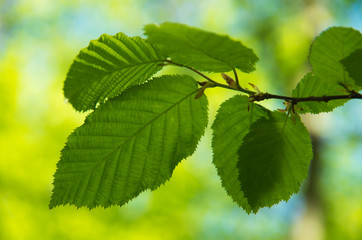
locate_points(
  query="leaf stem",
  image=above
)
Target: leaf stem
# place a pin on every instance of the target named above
(237, 79)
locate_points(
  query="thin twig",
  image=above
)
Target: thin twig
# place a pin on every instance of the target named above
(295, 100)
(263, 96)
(192, 69)
(209, 79)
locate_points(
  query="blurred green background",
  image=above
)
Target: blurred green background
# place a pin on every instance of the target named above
(39, 39)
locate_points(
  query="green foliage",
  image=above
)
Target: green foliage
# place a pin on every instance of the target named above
(107, 67)
(311, 85)
(329, 49)
(135, 138)
(273, 159)
(200, 49)
(130, 144)
(353, 65)
(231, 124)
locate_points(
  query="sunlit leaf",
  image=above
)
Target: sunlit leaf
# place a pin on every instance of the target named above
(130, 143)
(329, 49)
(107, 67)
(273, 160)
(231, 124)
(205, 51)
(312, 86)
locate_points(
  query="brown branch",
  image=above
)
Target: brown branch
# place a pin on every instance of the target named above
(254, 96)
(294, 100)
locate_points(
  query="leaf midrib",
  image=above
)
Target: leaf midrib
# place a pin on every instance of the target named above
(118, 148)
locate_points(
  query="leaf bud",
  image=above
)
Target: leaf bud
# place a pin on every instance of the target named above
(229, 81)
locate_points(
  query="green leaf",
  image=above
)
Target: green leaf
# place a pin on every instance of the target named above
(130, 143)
(205, 51)
(353, 65)
(329, 49)
(231, 124)
(107, 67)
(273, 160)
(312, 86)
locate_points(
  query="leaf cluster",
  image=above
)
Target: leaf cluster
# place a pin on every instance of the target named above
(141, 128)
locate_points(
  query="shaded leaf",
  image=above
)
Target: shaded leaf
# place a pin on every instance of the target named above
(231, 124)
(329, 48)
(130, 143)
(107, 67)
(273, 160)
(353, 65)
(203, 50)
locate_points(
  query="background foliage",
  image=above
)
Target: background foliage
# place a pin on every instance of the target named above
(39, 39)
